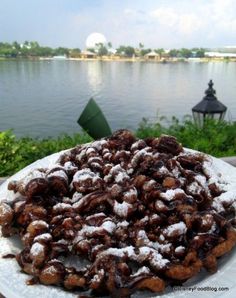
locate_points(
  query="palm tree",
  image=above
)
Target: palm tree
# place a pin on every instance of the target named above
(141, 45)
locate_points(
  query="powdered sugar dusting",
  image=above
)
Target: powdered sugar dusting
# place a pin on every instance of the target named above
(118, 173)
(139, 154)
(171, 193)
(85, 174)
(179, 249)
(109, 226)
(120, 252)
(76, 197)
(62, 206)
(175, 229)
(35, 174)
(131, 192)
(156, 245)
(36, 249)
(121, 209)
(44, 237)
(156, 260)
(194, 188)
(51, 270)
(122, 224)
(226, 199)
(88, 231)
(141, 271)
(59, 173)
(69, 166)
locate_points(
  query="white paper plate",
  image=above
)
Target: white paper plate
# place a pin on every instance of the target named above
(12, 281)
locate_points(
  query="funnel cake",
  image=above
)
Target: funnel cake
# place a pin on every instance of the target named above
(145, 214)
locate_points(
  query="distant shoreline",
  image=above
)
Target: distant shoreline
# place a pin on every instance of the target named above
(123, 59)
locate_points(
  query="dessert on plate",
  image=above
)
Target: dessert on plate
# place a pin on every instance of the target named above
(144, 214)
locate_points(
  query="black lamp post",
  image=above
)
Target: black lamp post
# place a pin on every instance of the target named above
(209, 107)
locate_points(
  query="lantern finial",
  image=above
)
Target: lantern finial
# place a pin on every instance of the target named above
(210, 91)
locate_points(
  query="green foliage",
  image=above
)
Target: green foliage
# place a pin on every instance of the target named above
(160, 51)
(7, 50)
(126, 51)
(101, 49)
(173, 53)
(217, 139)
(15, 153)
(200, 53)
(91, 50)
(143, 52)
(61, 51)
(32, 49)
(186, 53)
(141, 45)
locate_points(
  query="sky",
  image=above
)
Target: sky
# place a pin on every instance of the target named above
(155, 23)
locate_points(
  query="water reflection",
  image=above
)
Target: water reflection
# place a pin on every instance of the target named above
(94, 75)
(38, 98)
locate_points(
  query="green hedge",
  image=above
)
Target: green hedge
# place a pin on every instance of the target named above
(16, 153)
(218, 139)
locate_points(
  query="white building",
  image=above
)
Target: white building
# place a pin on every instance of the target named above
(220, 55)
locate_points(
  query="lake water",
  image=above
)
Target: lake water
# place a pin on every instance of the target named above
(45, 98)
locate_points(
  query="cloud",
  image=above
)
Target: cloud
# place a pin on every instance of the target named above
(211, 23)
(223, 15)
(162, 23)
(182, 23)
(189, 23)
(165, 16)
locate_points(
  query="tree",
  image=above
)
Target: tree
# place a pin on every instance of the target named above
(61, 51)
(16, 45)
(160, 51)
(173, 53)
(126, 51)
(121, 50)
(141, 45)
(8, 50)
(143, 52)
(26, 43)
(200, 53)
(186, 53)
(34, 44)
(109, 44)
(44, 52)
(101, 49)
(91, 50)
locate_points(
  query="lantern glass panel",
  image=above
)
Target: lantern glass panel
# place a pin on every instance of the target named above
(198, 118)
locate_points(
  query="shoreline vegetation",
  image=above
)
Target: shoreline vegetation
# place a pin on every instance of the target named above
(217, 139)
(105, 59)
(33, 51)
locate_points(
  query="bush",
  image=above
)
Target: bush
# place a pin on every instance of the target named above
(15, 153)
(215, 138)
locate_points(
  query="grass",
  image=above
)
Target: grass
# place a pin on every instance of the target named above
(217, 139)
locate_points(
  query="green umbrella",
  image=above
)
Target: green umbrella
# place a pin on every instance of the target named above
(93, 121)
